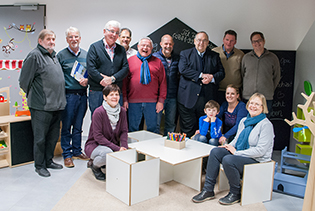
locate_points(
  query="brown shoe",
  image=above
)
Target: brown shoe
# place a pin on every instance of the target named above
(68, 163)
(81, 157)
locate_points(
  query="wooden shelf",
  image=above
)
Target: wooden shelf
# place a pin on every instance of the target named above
(3, 163)
(3, 151)
(3, 136)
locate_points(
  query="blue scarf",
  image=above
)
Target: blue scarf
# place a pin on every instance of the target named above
(145, 76)
(250, 122)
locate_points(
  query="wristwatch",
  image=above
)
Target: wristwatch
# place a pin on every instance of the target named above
(113, 79)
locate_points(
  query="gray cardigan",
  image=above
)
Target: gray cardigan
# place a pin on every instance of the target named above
(260, 141)
(260, 74)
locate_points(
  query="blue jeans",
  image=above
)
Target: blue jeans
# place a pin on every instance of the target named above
(72, 120)
(170, 116)
(233, 166)
(96, 100)
(135, 112)
(204, 139)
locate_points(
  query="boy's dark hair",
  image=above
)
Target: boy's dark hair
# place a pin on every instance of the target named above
(111, 88)
(212, 104)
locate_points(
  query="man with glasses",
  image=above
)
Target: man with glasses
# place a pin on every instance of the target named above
(201, 72)
(124, 40)
(73, 115)
(106, 64)
(260, 70)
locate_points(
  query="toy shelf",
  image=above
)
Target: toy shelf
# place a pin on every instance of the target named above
(5, 153)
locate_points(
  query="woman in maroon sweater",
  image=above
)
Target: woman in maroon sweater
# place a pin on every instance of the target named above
(108, 130)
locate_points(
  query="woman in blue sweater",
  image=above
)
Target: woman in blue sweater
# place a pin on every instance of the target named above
(231, 113)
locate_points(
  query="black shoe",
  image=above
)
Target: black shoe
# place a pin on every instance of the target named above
(203, 196)
(98, 173)
(89, 163)
(53, 165)
(43, 172)
(229, 199)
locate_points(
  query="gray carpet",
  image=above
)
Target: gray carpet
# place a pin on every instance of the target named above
(90, 194)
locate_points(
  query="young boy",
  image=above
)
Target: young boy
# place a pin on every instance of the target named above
(210, 126)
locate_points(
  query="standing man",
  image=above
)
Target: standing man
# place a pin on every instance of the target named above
(106, 63)
(260, 70)
(43, 82)
(124, 40)
(201, 72)
(170, 62)
(146, 85)
(72, 118)
(231, 59)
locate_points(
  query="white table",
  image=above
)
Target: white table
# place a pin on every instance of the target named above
(183, 166)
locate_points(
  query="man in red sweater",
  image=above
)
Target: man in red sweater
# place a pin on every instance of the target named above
(144, 89)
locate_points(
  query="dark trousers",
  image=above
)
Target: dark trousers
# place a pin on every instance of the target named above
(189, 117)
(46, 130)
(233, 166)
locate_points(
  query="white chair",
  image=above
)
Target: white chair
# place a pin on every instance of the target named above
(257, 182)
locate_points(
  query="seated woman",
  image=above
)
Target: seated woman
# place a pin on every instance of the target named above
(231, 113)
(108, 130)
(253, 143)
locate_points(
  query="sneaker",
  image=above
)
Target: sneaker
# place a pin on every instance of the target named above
(203, 196)
(229, 199)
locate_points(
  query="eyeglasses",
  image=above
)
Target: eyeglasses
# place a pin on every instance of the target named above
(255, 104)
(113, 32)
(257, 41)
(73, 37)
(202, 41)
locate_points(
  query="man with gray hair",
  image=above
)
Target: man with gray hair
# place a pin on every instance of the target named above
(106, 63)
(72, 118)
(43, 82)
(144, 88)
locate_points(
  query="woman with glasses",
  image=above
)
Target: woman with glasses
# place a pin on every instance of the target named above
(253, 143)
(231, 113)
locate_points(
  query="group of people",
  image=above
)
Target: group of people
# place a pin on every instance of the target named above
(126, 85)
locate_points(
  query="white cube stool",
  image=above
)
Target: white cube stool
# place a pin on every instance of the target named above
(131, 181)
(257, 182)
(142, 135)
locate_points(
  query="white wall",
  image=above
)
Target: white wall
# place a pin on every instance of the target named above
(304, 70)
(284, 22)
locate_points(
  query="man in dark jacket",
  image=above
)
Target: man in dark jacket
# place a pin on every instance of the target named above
(201, 71)
(170, 62)
(43, 82)
(106, 64)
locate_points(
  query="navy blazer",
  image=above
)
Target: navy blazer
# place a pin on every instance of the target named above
(190, 68)
(98, 61)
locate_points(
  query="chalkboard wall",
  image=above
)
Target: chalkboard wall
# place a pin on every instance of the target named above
(183, 37)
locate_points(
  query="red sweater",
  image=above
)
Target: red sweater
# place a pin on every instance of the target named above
(155, 91)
